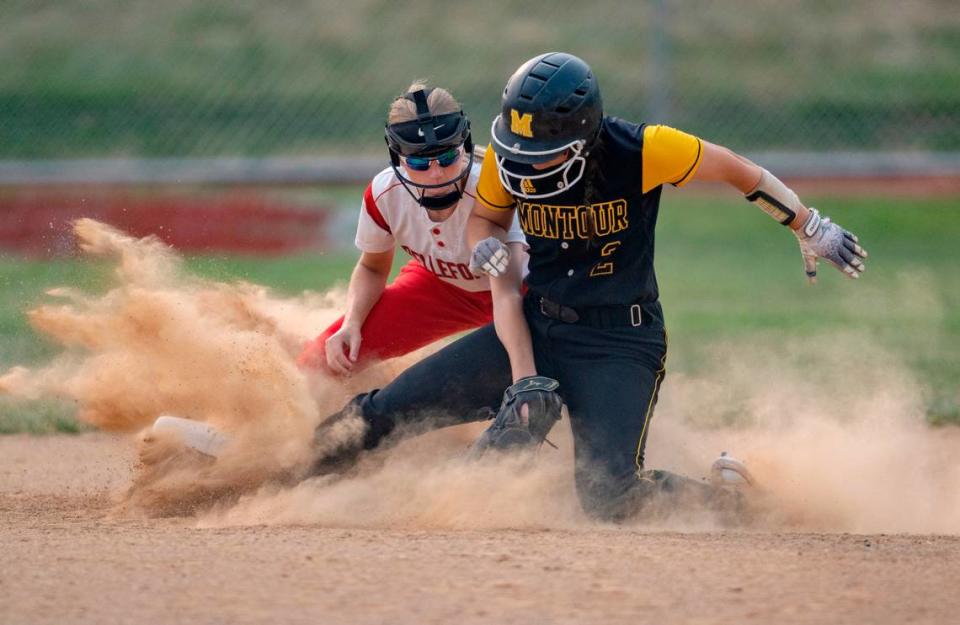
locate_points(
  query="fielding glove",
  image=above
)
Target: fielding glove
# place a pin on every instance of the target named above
(511, 429)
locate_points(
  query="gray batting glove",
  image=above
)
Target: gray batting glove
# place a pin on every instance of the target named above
(821, 238)
(490, 256)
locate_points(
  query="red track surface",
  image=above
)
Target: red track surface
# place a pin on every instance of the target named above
(37, 221)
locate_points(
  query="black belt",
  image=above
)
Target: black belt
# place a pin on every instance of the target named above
(594, 316)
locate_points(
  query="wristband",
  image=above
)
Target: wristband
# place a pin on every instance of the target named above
(775, 198)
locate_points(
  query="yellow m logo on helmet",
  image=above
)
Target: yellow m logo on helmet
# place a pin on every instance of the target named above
(521, 124)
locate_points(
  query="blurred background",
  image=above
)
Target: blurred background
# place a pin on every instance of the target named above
(211, 78)
(243, 132)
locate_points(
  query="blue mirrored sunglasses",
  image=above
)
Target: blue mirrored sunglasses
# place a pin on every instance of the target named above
(422, 163)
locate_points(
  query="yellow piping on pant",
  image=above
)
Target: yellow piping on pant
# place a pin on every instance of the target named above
(653, 397)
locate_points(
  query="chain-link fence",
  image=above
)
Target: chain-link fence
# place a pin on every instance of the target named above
(209, 78)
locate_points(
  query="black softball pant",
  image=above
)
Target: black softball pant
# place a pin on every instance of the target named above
(609, 379)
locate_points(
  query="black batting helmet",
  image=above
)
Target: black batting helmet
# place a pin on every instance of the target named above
(551, 106)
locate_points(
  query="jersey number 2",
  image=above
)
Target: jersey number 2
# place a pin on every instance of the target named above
(605, 267)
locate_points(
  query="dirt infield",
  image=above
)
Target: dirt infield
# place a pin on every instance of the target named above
(65, 557)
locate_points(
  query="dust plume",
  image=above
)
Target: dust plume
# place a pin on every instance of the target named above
(834, 448)
(161, 341)
(832, 425)
(423, 483)
(837, 438)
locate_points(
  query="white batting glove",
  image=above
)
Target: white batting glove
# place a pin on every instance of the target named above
(490, 256)
(821, 238)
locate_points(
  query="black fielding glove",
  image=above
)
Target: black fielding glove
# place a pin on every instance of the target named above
(510, 429)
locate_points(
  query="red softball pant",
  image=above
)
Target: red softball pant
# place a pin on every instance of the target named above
(416, 309)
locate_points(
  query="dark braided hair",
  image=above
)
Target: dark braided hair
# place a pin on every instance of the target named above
(592, 181)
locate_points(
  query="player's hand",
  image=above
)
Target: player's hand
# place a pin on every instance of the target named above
(490, 256)
(821, 238)
(342, 349)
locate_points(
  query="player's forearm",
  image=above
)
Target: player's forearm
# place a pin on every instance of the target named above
(514, 333)
(778, 200)
(480, 228)
(818, 237)
(366, 287)
(508, 319)
(721, 164)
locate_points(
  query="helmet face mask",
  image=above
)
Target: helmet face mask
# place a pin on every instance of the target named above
(525, 180)
(430, 136)
(551, 106)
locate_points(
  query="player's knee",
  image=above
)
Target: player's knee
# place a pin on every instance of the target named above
(607, 497)
(380, 424)
(357, 423)
(340, 439)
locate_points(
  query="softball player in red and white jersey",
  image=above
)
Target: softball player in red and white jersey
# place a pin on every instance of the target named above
(421, 204)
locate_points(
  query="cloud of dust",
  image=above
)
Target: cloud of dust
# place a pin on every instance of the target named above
(163, 342)
(425, 483)
(835, 447)
(831, 425)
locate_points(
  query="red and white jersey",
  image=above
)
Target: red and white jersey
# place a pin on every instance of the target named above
(390, 217)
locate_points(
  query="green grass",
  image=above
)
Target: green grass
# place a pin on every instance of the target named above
(22, 284)
(290, 275)
(733, 279)
(727, 274)
(46, 416)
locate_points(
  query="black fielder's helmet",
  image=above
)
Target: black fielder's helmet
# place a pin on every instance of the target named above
(551, 106)
(429, 136)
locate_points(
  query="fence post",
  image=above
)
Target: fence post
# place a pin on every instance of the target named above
(658, 100)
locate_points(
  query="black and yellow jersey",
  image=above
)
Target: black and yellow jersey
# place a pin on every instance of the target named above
(602, 254)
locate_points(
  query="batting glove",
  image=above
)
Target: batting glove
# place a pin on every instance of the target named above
(490, 256)
(821, 238)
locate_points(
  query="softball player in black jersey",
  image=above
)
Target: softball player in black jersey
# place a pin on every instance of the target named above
(587, 188)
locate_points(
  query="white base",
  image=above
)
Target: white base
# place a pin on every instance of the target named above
(196, 435)
(730, 476)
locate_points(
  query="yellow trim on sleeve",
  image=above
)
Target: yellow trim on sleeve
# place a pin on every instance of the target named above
(670, 156)
(490, 190)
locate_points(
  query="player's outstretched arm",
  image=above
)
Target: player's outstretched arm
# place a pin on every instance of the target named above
(818, 236)
(531, 405)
